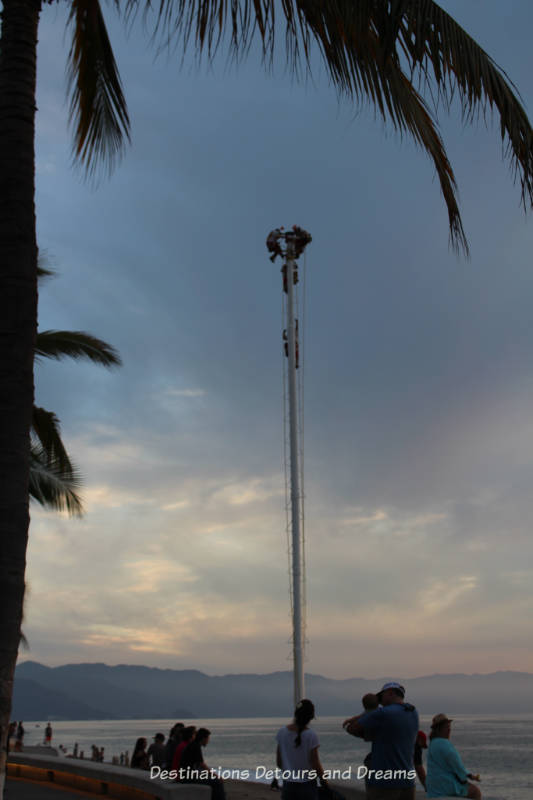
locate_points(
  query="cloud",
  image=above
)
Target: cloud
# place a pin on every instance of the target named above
(442, 595)
(184, 392)
(252, 490)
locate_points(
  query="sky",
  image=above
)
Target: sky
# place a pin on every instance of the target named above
(418, 375)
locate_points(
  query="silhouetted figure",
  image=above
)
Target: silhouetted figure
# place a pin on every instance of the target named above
(48, 735)
(139, 759)
(11, 734)
(272, 243)
(187, 736)
(157, 751)
(420, 744)
(174, 738)
(192, 764)
(19, 737)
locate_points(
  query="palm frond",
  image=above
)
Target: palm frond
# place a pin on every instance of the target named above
(47, 431)
(97, 104)
(364, 45)
(410, 113)
(51, 485)
(75, 344)
(438, 47)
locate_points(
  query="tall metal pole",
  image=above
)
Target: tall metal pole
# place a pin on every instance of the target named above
(297, 620)
(295, 242)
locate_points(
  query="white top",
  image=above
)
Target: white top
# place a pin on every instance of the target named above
(296, 760)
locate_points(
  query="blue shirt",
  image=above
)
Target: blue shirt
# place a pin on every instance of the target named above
(446, 774)
(392, 731)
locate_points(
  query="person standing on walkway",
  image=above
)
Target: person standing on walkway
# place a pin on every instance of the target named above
(19, 738)
(420, 744)
(297, 753)
(48, 735)
(139, 759)
(157, 751)
(392, 729)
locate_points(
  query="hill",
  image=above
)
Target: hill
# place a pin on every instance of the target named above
(99, 691)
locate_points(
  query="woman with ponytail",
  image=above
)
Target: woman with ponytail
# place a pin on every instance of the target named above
(297, 756)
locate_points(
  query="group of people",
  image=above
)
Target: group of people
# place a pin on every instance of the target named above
(182, 753)
(15, 736)
(390, 769)
(16, 732)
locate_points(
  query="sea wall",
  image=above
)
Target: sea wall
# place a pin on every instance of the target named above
(125, 783)
(97, 778)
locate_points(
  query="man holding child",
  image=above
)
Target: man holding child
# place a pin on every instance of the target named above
(392, 729)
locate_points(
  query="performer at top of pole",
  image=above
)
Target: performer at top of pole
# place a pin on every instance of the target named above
(297, 236)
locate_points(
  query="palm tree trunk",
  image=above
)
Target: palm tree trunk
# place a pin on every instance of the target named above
(18, 322)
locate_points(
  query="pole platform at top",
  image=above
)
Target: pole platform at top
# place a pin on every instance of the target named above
(296, 237)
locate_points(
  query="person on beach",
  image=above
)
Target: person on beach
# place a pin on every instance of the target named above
(174, 738)
(420, 744)
(297, 753)
(157, 751)
(48, 735)
(192, 764)
(446, 774)
(392, 729)
(19, 737)
(139, 759)
(187, 736)
(11, 735)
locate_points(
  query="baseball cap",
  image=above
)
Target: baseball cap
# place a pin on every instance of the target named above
(390, 685)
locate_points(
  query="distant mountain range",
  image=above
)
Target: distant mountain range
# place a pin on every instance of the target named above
(97, 691)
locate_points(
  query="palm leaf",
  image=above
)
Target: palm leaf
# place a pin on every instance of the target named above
(75, 344)
(437, 46)
(365, 45)
(410, 113)
(97, 105)
(46, 429)
(52, 485)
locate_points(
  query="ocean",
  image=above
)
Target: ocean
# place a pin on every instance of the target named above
(499, 747)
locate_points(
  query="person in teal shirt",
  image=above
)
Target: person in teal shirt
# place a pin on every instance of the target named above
(446, 774)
